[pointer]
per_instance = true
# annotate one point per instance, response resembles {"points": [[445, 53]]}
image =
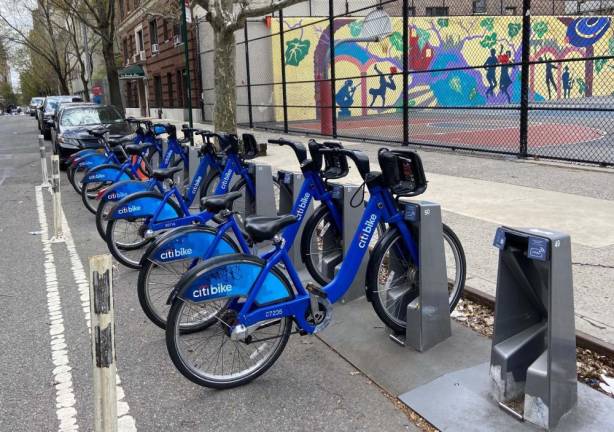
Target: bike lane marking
{"points": [[125, 421], [62, 372]]}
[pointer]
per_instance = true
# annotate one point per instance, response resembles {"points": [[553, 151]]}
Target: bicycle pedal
{"points": [[315, 290]]}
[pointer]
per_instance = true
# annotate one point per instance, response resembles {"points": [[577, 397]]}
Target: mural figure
{"points": [[384, 85], [491, 72], [345, 98], [504, 79], [549, 75], [567, 82]]}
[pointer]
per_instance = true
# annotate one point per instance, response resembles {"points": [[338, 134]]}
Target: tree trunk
{"points": [[112, 75], [63, 84], [225, 116]]}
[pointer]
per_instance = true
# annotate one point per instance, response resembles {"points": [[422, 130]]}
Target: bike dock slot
{"points": [[263, 203], [533, 345], [428, 315], [293, 181]]}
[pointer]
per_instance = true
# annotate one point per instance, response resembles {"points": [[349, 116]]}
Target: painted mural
{"points": [[368, 80]]}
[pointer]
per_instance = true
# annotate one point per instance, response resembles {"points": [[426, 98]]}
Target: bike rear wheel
{"points": [[126, 242], [392, 277], [211, 358]]}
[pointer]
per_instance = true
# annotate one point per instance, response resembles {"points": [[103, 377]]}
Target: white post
{"points": [[58, 235], [41, 147], [103, 343]]}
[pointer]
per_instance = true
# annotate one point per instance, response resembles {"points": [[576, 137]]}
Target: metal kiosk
{"points": [[533, 346]]}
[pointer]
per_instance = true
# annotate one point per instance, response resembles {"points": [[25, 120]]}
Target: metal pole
{"points": [[283, 69], [58, 235], [405, 72], [103, 343], [333, 82], [42, 149], [524, 78], [186, 52], [199, 72], [249, 78]]}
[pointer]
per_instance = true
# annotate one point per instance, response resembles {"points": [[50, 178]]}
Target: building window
{"points": [[411, 11], [437, 11], [126, 51], [510, 10], [165, 34], [158, 90], [479, 7], [169, 84], [140, 45], [177, 36], [179, 89], [121, 9], [153, 32]]}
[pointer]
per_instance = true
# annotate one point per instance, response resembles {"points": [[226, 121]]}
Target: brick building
{"points": [[152, 50]]}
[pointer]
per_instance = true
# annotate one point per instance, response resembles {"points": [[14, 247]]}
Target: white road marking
{"points": [[125, 421], [64, 394]]}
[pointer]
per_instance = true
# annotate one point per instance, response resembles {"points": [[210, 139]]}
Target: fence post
{"points": [[103, 343], [249, 77], [405, 72], [283, 69], [43, 153], [58, 235], [524, 78], [333, 81]]}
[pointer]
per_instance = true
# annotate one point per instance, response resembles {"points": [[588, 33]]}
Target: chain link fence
{"points": [[484, 76]]}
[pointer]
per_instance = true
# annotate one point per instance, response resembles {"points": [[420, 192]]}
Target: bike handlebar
{"points": [[299, 149], [360, 159]]}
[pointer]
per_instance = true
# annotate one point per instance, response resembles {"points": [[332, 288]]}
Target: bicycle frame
{"points": [[381, 206]]}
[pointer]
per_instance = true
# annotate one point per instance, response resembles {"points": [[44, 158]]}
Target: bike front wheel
{"points": [[211, 358], [392, 277]]}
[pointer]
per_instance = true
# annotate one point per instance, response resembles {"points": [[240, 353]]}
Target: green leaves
{"points": [[540, 28], [456, 85], [513, 29], [611, 46], [600, 63], [355, 28], [443, 22], [581, 85], [296, 51], [423, 37], [489, 41], [396, 39], [488, 24]]}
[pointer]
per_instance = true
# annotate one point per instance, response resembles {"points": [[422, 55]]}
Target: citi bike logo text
{"points": [[302, 206], [196, 184], [116, 195], [97, 176], [367, 229], [168, 157], [209, 290], [226, 179], [129, 209], [176, 253]]}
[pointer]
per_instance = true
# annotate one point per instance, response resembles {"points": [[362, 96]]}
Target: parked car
{"points": [[56, 116], [71, 133], [35, 102], [47, 111]]}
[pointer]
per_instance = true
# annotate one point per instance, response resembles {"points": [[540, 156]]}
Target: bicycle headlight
{"points": [[68, 142]]}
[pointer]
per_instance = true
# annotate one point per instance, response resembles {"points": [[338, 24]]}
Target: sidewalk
{"points": [[478, 194]]}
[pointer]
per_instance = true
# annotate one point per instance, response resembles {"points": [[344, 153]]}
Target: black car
{"points": [[71, 130], [56, 116], [47, 112]]}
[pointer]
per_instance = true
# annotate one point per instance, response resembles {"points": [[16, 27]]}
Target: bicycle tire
{"points": [[376, 263]]}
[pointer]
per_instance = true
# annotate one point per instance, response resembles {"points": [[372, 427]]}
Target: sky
{"points": [[15, 11]]}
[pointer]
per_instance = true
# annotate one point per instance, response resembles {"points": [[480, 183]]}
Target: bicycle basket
{"points": [[250, 146], [335, 164], [402, 172]]}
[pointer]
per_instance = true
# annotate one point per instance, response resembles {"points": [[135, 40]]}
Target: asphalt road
{"points": [[45, 356]]}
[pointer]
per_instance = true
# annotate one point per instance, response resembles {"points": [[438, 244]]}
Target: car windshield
{"points": [[36, 101], [86, 116]]}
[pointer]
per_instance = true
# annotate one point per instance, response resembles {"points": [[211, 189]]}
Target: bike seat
{"points": [[98, 132], [217, 203], [137, 149], [262, 228], [166, 173]]}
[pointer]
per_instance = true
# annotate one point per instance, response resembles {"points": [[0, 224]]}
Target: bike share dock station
{"points": [[524, 379]]}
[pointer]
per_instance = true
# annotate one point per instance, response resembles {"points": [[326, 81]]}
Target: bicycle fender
{"points": [[231, 276], [189, 243], [122, 189], [144, 204], [90, 160], [80, 154], [105, 173]]}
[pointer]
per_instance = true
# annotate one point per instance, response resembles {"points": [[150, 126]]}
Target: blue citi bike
{"points": [[176, 155], [100, 151], [175, 252], [136, 219], [263, 297]]}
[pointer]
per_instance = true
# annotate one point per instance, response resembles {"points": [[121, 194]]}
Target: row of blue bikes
{"points": [[221, 281]]}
